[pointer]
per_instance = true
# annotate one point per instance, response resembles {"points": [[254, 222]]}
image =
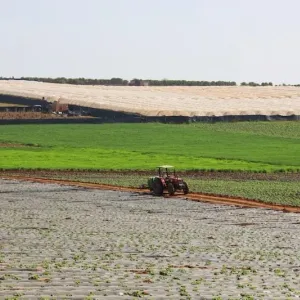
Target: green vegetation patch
{"points": [[281, 190], [250, 146], [287, 193]]}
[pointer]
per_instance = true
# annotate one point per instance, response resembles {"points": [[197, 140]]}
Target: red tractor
{"points": [[167, 180]]}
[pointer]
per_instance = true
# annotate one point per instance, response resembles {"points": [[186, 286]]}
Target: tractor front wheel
{"points": [[157, 187], [171, 189], [185, 188]]}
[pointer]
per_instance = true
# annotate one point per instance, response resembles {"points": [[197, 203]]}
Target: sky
{"points": [[231, 40]]}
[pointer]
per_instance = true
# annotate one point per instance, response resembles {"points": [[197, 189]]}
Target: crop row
{"points": [[285, 192]]}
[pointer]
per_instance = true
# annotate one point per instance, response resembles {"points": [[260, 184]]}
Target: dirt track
{"points": [[192, 174], [200, 197]]}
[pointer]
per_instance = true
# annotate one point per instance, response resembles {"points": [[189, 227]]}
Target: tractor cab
{"points": [[166, 171]]}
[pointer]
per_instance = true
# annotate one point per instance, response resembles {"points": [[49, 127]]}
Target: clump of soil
{"points": [[16, 145]]}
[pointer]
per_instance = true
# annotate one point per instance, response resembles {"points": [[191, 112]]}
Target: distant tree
{"points": [[116, 81], [253, 83]]}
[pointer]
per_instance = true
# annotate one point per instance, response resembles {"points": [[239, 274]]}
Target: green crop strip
{"points": [[249, 146]]}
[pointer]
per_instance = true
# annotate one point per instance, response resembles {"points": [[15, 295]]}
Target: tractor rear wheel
{"points": [[185, 188], [171, 189], [157, 187]]}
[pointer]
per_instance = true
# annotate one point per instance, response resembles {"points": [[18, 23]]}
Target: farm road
{"points": [[66, 242]]}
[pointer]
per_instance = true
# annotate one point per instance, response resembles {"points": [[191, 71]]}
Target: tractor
{"points": [[167, 179]]}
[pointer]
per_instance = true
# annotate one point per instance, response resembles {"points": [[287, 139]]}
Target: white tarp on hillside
{"points": [[165, 101]]}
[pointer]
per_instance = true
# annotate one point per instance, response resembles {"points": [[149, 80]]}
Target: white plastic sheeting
{"points": [[165, 101]]}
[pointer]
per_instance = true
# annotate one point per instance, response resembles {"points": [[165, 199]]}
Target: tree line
{"points": [[122, 82], [256, 84], [190, 83]]}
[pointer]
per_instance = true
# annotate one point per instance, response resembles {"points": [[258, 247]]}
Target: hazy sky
{"points": [[257, 40]]}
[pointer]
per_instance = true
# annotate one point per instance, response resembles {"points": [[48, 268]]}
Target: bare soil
{"points": [[32, 115], [25, 115]]}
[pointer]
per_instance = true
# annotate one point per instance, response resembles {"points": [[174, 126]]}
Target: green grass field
{"points": [[249, 146]]}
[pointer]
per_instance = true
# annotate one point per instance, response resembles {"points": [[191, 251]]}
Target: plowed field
{"points": [[68, 242], [30, 115], [26, 115]]}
